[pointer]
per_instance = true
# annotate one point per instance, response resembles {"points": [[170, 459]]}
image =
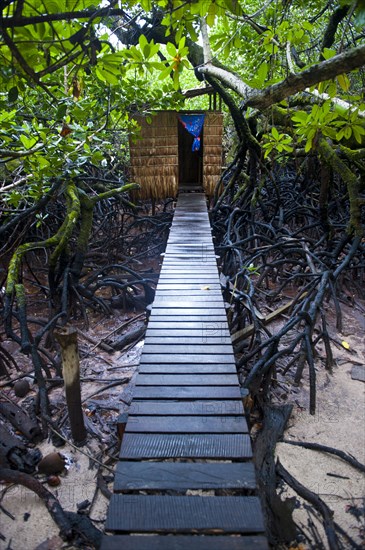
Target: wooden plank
{"points": [[199, 379], [200, 293], [187, 286], [182, 514], [178, 476], [207, 327], [203, 237], [183, 408], [186, 392], [184, 260], [202, 271], [186, 358], [192, 334], [175, 271], [193, 338], [207, 303], [188, 424], [196, 349], [217, 319], [184, 542], [193, 270], [190, 368], [202, 248], [190, 311], [199, 446], [201, 279], [197, 247]]}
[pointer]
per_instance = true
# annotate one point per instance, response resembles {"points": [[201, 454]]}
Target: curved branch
{"points": [[15, 21], [51, 502], [315, 500], [326, 70]]}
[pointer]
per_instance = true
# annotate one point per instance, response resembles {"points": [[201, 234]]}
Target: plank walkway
{"points": [[185, 474]]}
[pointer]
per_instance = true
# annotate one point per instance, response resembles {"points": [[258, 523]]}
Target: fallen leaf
{"points": [[345, 344], [206, 288]]}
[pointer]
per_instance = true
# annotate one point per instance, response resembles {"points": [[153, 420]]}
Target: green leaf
{"points": [[171, 49], [181, 43], [142, 41], [332, 89], [28, 142], [164, 74], [146, 5], [176, 80], [13, 94], [300, 116], [262, 73], [61, 111], [348, 132], [108, 75], [42, 162], [308, 145], [275, 133], [344, 82], [328, 53], [357, 134], [233, 6]]}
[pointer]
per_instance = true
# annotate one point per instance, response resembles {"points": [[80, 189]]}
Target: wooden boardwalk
{"points": [[185, 473]]}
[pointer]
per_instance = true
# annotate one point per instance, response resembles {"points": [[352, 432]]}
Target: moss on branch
{"points": [[331, 157]]}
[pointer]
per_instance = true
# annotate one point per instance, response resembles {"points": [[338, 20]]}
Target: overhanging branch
{"points": [[16, 21], [325, 70]]}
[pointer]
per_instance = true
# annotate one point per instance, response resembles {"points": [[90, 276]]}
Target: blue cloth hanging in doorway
{"points": [[194, 125]]}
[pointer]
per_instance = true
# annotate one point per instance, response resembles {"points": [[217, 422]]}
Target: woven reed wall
{"points": [[155, 160], [154, 157], [212, 152]]}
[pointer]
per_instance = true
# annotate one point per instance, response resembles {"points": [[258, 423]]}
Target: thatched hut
{"points": [[162, 157]]}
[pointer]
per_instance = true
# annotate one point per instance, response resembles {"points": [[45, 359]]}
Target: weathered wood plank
{"points": [[211, 327], [189, 312], [186, 392], [199, 379], [200, 446], [201, 293], [203, 305], [186, 358], [196, 349], [196, 330], [187, 368], [194, 337], [187, 286], [182, 514], [183, 542], [190, 318], [183, 408], [179, 476], [200, 272], [187, 424], [194, 272], [202, 249]]}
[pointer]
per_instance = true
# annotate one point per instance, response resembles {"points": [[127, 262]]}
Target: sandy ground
{"points": [[33, 524], [339, 422]]}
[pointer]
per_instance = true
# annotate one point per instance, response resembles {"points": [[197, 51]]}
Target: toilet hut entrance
{"points": [[190, 162]]}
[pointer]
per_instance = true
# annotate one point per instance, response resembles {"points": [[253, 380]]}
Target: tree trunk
{"points": [[67, 338]]}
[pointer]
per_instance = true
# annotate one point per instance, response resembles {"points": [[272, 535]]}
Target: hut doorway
{"points": [[190, 162]]}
